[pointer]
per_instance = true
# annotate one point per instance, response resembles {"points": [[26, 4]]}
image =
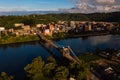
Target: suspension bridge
{"points": [[66, 51]]}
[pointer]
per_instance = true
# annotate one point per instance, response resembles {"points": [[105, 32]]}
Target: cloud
{"points": [[91, 6], [106, 1]]}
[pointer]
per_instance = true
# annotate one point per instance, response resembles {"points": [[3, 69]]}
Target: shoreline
{"points": [[65, 36], [88, 35], [20, 39]]}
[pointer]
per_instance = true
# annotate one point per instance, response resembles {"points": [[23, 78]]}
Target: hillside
{"points": [[9, 21]]}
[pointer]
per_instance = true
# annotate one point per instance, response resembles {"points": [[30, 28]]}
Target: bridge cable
{"points": [[74, 54]]}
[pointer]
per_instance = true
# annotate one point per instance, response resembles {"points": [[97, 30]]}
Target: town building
{"points": [[18, 24]]}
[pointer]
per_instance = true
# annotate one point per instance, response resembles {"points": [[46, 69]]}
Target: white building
{"points": [[18, 24], [38, 25], [47, 32], [2, 28]]}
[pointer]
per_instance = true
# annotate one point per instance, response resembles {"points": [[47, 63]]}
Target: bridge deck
{"points": [[63, 52]]}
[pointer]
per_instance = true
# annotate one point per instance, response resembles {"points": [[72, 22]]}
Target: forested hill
{"points": [[109, 17], [9, 21]]}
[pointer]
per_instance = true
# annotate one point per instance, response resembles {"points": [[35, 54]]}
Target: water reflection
{"points": [[100, 40], [14, 57], [85, 37], [80, 45], [14, 45]]}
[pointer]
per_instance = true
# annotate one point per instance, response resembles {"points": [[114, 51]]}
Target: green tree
{"points": [[34, 70], [83, 71], [4, 76], [29, 21], [61, 73], [49, 68], [51, 60]]}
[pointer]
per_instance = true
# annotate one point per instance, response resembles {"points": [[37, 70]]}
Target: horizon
{"points": [[23, 13], [70, 6]]}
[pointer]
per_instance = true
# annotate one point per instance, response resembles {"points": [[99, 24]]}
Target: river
{"points": [[14, 57]]}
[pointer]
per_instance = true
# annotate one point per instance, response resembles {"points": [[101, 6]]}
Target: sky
{"points": [[33, 5], [72, 6]]}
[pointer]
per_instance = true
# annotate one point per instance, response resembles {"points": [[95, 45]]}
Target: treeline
{"points": [[52, 70], [9, 21]]}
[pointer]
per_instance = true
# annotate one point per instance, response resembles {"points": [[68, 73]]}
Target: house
{"points": [[2, 28], [38, 25], [5, 32], [46, 32], [118, 53], [21, 32], [33, 30], [61, 22], [71, 78], [109, 26], [85, 28], [72, 24], [89, 27], [26, 27], [48, 29], [11, 30], [18, 24], [51, 27], [17, 33], [109, 70]]}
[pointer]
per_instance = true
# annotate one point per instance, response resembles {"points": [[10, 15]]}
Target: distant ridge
{"points": [[20, 13], [28, 12], [61, 15]]}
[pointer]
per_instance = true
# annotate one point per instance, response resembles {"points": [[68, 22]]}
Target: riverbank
{"points": [[87, 35], [56, 36], [18, 39]]}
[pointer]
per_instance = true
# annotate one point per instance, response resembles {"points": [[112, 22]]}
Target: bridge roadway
{"points": [[65, 51]]}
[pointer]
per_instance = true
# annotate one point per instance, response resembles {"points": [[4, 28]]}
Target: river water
{"points": [[14, 57]]}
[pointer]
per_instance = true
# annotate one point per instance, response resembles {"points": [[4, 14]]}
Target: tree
{"points": [[30, 22], [34, 70], [51, 60], [61, 73], [4, 76], [49, 68]]}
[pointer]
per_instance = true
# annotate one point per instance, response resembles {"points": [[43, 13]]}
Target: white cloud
{"points": [[90, 6], [106, 1]]}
